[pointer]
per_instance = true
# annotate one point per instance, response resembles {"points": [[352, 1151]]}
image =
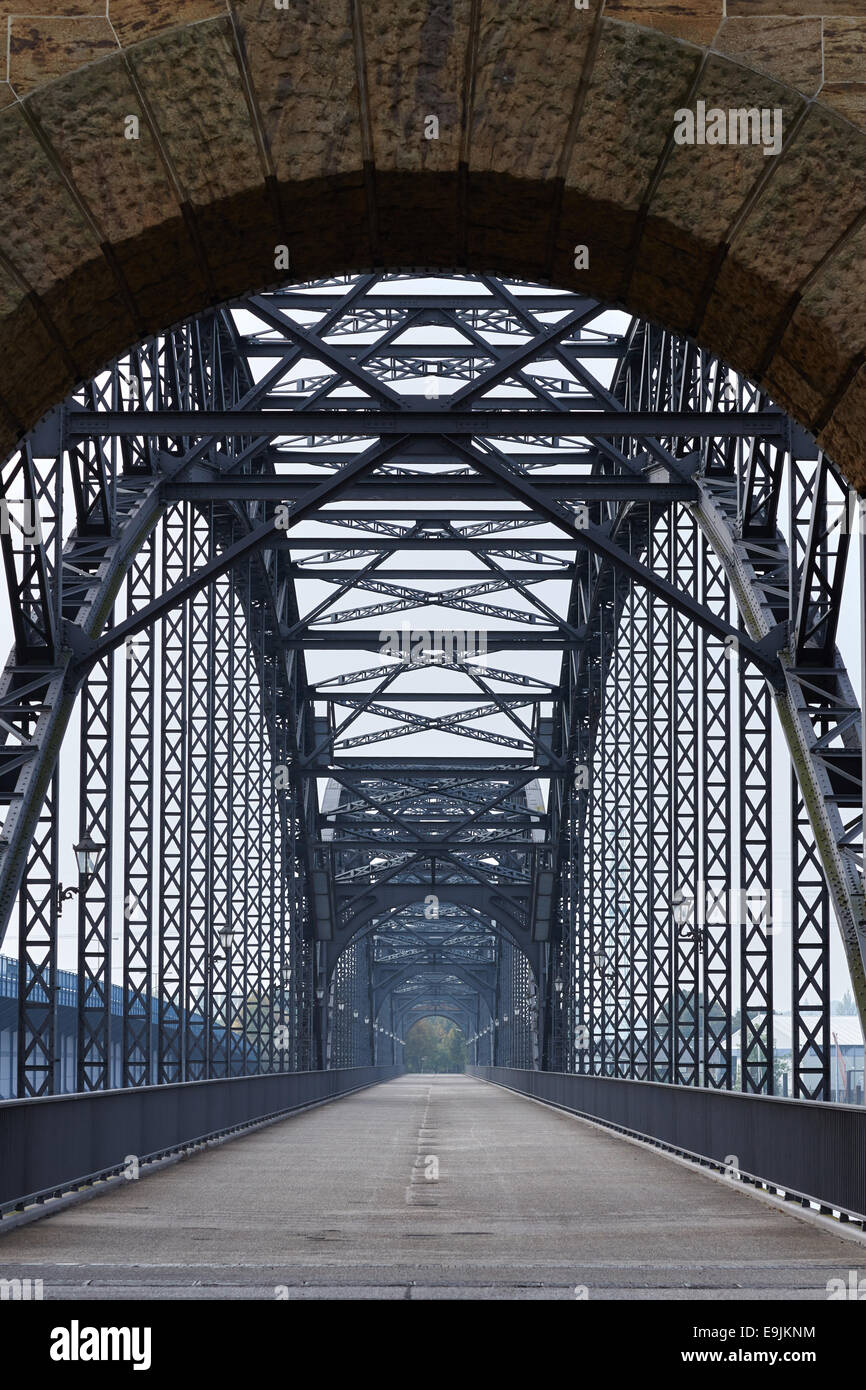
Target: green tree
{"points": [[435, 1044]]}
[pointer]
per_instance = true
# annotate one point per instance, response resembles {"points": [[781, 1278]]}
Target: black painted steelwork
{"points": [[340, 530], [811, 1151], [53, 1145]]}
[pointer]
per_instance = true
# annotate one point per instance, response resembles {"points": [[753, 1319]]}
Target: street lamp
{"points": [[87, 856], [681, 906]]}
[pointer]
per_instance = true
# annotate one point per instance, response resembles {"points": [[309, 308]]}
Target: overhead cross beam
{"points": [[350, 419]]}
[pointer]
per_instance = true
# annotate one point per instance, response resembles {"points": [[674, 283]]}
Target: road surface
{"points": [[428, 1187]]}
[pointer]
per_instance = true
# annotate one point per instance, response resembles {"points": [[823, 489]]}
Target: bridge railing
{"points": [[810, 1151], [54, 1145]]}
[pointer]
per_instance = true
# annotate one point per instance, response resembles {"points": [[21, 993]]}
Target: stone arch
{"points": [[260, 127]]}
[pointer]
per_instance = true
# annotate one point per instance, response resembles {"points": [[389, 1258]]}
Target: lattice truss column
{"points": [[756, 877], [346, 1005], [167, 708], [513, 1010], [794, 587], [659, 825], [37, 957], [352, 1015], [96, 818], [208, 917], [681, 788]]}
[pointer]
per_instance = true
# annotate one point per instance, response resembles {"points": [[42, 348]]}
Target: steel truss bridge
{"points": [[415, 646]]}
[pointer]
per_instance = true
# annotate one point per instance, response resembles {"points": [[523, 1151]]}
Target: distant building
{"points": [[66, 1002], [846, 1056]]}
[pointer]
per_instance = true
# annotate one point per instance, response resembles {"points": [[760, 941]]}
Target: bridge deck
{"points": [[529, 1202]]}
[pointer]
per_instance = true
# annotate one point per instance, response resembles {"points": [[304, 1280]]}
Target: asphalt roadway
{"points": [[431, 1187]]}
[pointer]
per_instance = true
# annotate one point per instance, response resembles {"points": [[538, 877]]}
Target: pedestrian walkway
{"points": [[430, 1186]]}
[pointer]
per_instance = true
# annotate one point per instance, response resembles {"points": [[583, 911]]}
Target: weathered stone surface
{"points": [[741, 314], [636, 86], [676, 259], [416, 61], [303, 70], [609, 230], [88, 307], [206, 130], [670, 264], [845, 68], [204, 123], [528, 66], [792, 7], [134, 20], [11, 290], [41, 230], [849, 99], [289, 128], [40, 49], [123, 181], [509, 221], [843, 435], [806, 204], [845, 50], [787, 48], [53, 8], [788, 233], [160, 267], [827, 331], [844, 432], [32, 372], [731, 171], [695, 20]]}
